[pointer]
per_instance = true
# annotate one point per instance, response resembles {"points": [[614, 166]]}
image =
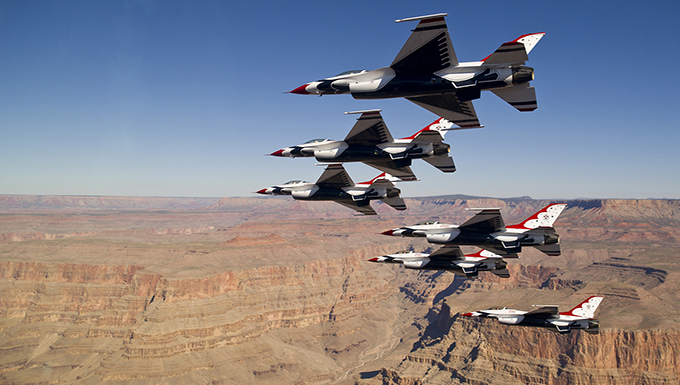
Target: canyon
{"points": [[257, 290]]}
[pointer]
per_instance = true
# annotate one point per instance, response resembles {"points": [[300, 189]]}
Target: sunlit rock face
{"points": [[249, 290]]}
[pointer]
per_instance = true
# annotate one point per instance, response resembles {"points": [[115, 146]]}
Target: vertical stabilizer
{"points": [[585, 309], [543, 218]]}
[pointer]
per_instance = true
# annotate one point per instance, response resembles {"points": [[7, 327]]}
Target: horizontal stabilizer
{"points": [[443, 162], [504, 273], [460, 113], [389, 166], [522, 97], [361, 206], [551, 250], [395, 202]]}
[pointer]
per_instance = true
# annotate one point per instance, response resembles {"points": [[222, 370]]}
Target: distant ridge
{"points": [[449, 208], [11, 203]]}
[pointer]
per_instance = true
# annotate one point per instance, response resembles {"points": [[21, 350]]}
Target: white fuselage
{"points": [[327, 150], [467, 265], [518, 317], [305, 190], [463, 75]]}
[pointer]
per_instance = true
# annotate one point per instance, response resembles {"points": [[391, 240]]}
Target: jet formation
{"points": [[427, 72]]}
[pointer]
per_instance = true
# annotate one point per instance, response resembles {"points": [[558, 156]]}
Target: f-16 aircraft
{"points": [[336, 185], [580, 317], [450, 258], [427, 72], [487, 230], [370, 142]]}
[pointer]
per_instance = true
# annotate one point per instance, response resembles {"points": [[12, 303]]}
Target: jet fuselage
{"points": [[562, 323], [466, 80], [326, 150], [309, 191], [469, 266], [509, 241]]}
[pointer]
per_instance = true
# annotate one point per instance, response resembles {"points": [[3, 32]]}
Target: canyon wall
{"points": [[251, 290], [459, 350]]}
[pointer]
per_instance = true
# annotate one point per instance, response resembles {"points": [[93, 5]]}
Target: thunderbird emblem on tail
{"points": [[427, 73]]}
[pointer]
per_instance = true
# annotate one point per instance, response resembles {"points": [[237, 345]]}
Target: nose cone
{"points": [[374, 259], [467, 315], [263, 191], [388, 232], [277, 153], [302, 90]]}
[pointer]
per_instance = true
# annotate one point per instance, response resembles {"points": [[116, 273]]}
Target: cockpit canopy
{"points": [[295, 182], [404, 252], [317, 141], [350, 72], [426, 223]]}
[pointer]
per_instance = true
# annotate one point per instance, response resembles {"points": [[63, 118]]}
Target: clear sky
{"points": [[170, 98]]}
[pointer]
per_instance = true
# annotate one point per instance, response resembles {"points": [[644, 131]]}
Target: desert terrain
{"points": [[265, 290]]}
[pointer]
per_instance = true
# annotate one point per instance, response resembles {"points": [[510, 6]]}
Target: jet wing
{"points": [[450, 107], [365, 209], [334, 176], [404, 172], [428, 49], [369, 130], [544, 312], [485, 221], [442, 162], [448, 253]]}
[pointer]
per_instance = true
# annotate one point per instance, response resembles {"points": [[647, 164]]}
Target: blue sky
{"points": [[168, 98]]}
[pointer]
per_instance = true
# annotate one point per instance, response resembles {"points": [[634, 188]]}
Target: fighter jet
{"points": [[336, 185], [450, 258], [370, 142], [580, 317], [427, 72], [487, 230]]}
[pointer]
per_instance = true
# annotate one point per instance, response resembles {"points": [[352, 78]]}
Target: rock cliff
{"points": [[470, 351], [233, 293]]}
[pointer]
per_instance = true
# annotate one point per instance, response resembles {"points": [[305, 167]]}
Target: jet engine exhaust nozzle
{"points": [[522, 74]]}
